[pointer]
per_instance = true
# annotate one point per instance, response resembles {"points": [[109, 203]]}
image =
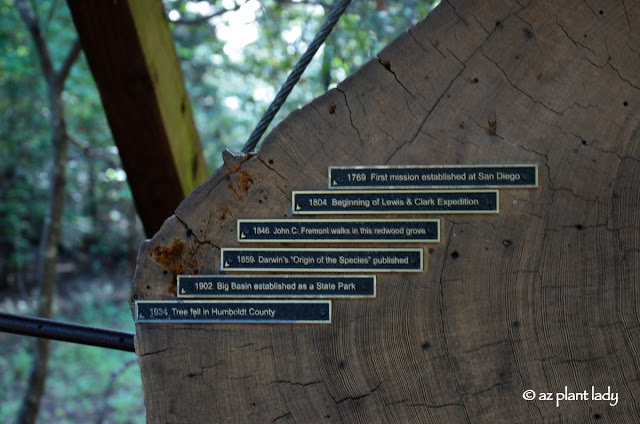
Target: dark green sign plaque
{"points": [[327, 259], [234, 311], [281, 286], [395, 202], [434, 176], [339, 230]]}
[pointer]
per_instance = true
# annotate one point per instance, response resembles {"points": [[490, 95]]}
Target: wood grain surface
{"points": [[545, 295]]}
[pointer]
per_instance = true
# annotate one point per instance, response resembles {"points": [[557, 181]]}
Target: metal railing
{"points": [[67, 332]]}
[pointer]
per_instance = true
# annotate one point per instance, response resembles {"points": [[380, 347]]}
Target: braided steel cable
{"points": [[295, 74]]}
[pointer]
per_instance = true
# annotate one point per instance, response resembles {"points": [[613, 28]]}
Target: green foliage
{"points": [[23, 140], [97, 203], [231, 82], [15, 363], [78, 375]]}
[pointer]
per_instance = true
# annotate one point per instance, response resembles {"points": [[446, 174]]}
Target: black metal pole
{"points": [[66, 332]]}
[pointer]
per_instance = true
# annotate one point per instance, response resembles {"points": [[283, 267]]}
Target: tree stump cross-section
{"points": [[530, 313]]}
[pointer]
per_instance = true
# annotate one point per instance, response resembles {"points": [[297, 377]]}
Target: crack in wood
{"points": [[358, 397], [346, 102], [512, 84], [201, 242]]}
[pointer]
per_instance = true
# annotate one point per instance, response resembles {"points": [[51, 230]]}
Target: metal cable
{"points": [[66, 332], [295, 74]]}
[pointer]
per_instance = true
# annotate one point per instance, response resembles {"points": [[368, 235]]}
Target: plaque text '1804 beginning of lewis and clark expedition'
{"points": [[395, 202]]}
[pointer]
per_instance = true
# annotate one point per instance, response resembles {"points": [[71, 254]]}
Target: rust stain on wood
{"points": [[246, 181], [177, 258], [241, 188], [224, 214]]}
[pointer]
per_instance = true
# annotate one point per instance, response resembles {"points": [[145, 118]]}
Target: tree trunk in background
{"points": [[48, 255], [8, 245], [48, 251], [542, 296]]}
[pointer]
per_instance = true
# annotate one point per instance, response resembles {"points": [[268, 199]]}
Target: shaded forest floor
{"points": [[80, 377]]}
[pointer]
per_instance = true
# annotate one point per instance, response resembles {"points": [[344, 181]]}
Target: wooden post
{"points": [[132, 57], [527, 312]]}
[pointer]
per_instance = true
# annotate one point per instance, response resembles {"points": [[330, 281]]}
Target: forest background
{"points": [[234, 56]]}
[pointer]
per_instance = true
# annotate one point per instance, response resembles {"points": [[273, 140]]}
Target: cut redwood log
{"points": [[528, 315]]}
